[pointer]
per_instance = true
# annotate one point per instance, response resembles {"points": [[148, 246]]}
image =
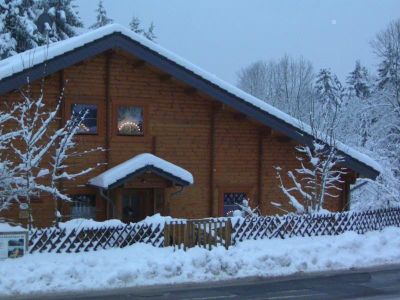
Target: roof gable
{"points": [[138, 165], [43, 61]]}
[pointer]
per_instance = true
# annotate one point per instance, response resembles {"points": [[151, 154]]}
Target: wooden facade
{"points": [[227, 152]]}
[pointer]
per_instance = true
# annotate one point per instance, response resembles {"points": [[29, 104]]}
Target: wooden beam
{"points": [[260, 167], [61, 86], [154, 145], [61, 90], [109, 56], [212, 213]]}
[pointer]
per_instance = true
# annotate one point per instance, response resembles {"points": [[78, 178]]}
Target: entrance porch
{"points": [[140, 187]]}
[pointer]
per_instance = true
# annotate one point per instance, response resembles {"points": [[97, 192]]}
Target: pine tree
{"points": [[387, 48], [101, 19], [358, 81], [18, 31], [149, 34], [65, 19], [329, 90], [135, 27]]}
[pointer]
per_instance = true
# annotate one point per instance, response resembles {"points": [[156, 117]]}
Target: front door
{"points": [[137, 204]]}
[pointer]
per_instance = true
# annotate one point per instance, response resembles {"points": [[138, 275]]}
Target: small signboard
{"points": [[13, 244]]}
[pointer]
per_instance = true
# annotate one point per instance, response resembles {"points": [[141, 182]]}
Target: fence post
{"points": [[228, 233], [186, 235], [166, 234]]}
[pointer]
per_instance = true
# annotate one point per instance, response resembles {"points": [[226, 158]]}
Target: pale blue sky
{"points": [[222, 36]]}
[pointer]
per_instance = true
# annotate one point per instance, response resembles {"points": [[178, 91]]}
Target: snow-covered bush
{"points": [[245, 211]]}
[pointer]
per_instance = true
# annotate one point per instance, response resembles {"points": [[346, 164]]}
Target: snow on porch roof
{"points": [[139, 164], [45, 60]]}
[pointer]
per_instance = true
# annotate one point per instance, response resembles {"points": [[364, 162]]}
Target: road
{"points": [[377, 283]]}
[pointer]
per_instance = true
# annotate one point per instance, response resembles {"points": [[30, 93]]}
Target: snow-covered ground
{"points": [[142, 264]]}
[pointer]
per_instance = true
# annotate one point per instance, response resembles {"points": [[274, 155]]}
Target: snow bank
{"points": [[92, 224], [89, 223], [5, 227], [138, 162], [143, 264], [159, 219], [19, 62]]}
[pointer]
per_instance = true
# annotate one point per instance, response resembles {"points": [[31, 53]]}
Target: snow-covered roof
{"points": [[18, 63], [137, 165]]}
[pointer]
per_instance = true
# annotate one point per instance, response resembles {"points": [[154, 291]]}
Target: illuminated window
{"points": [[231, 201], [89, 124], [130, 120]]}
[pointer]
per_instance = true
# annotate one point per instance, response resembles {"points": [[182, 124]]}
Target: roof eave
{"points": [[117, 40]]}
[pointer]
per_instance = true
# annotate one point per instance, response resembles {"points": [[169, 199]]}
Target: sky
{"points": [[223, 36]]}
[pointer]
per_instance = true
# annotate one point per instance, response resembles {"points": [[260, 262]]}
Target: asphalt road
{"points": [[377, 283]]}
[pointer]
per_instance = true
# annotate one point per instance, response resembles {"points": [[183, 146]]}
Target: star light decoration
{"points": [[129, 127], [83, 128]]}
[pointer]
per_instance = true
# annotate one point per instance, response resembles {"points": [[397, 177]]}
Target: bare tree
{"points": [[32, 145], [320, 174], [41, 143], [64, 150], [286, 84], [10, 180]]}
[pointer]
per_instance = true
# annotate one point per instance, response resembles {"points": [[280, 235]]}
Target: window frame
{"points": [[71, 204], [232, 189], [123, 137], [97, 116], [101, 126], [143, 121]]}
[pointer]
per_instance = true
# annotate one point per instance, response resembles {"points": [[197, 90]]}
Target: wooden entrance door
{"points": [[137, 204]]}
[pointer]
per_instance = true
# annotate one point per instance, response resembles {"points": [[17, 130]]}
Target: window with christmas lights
{"points": [[130, 120], [89, 124], [231, 201]]}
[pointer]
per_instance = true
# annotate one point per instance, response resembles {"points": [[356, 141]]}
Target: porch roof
{"points": [[140, 164]]}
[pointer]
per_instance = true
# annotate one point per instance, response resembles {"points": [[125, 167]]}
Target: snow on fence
{"points": [[209, 232], [91, 239], [313, 225]]}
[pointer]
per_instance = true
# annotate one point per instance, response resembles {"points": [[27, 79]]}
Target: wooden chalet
{"points": [[180, 141]]}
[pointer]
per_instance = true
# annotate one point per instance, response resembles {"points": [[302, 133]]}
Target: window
{"points": [[89, 124], [231, 201], [130, 120], [83, 206]]}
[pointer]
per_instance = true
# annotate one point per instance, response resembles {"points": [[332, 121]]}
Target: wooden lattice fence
{"points": [[91, 239], [313, 225], [208, 233]]}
